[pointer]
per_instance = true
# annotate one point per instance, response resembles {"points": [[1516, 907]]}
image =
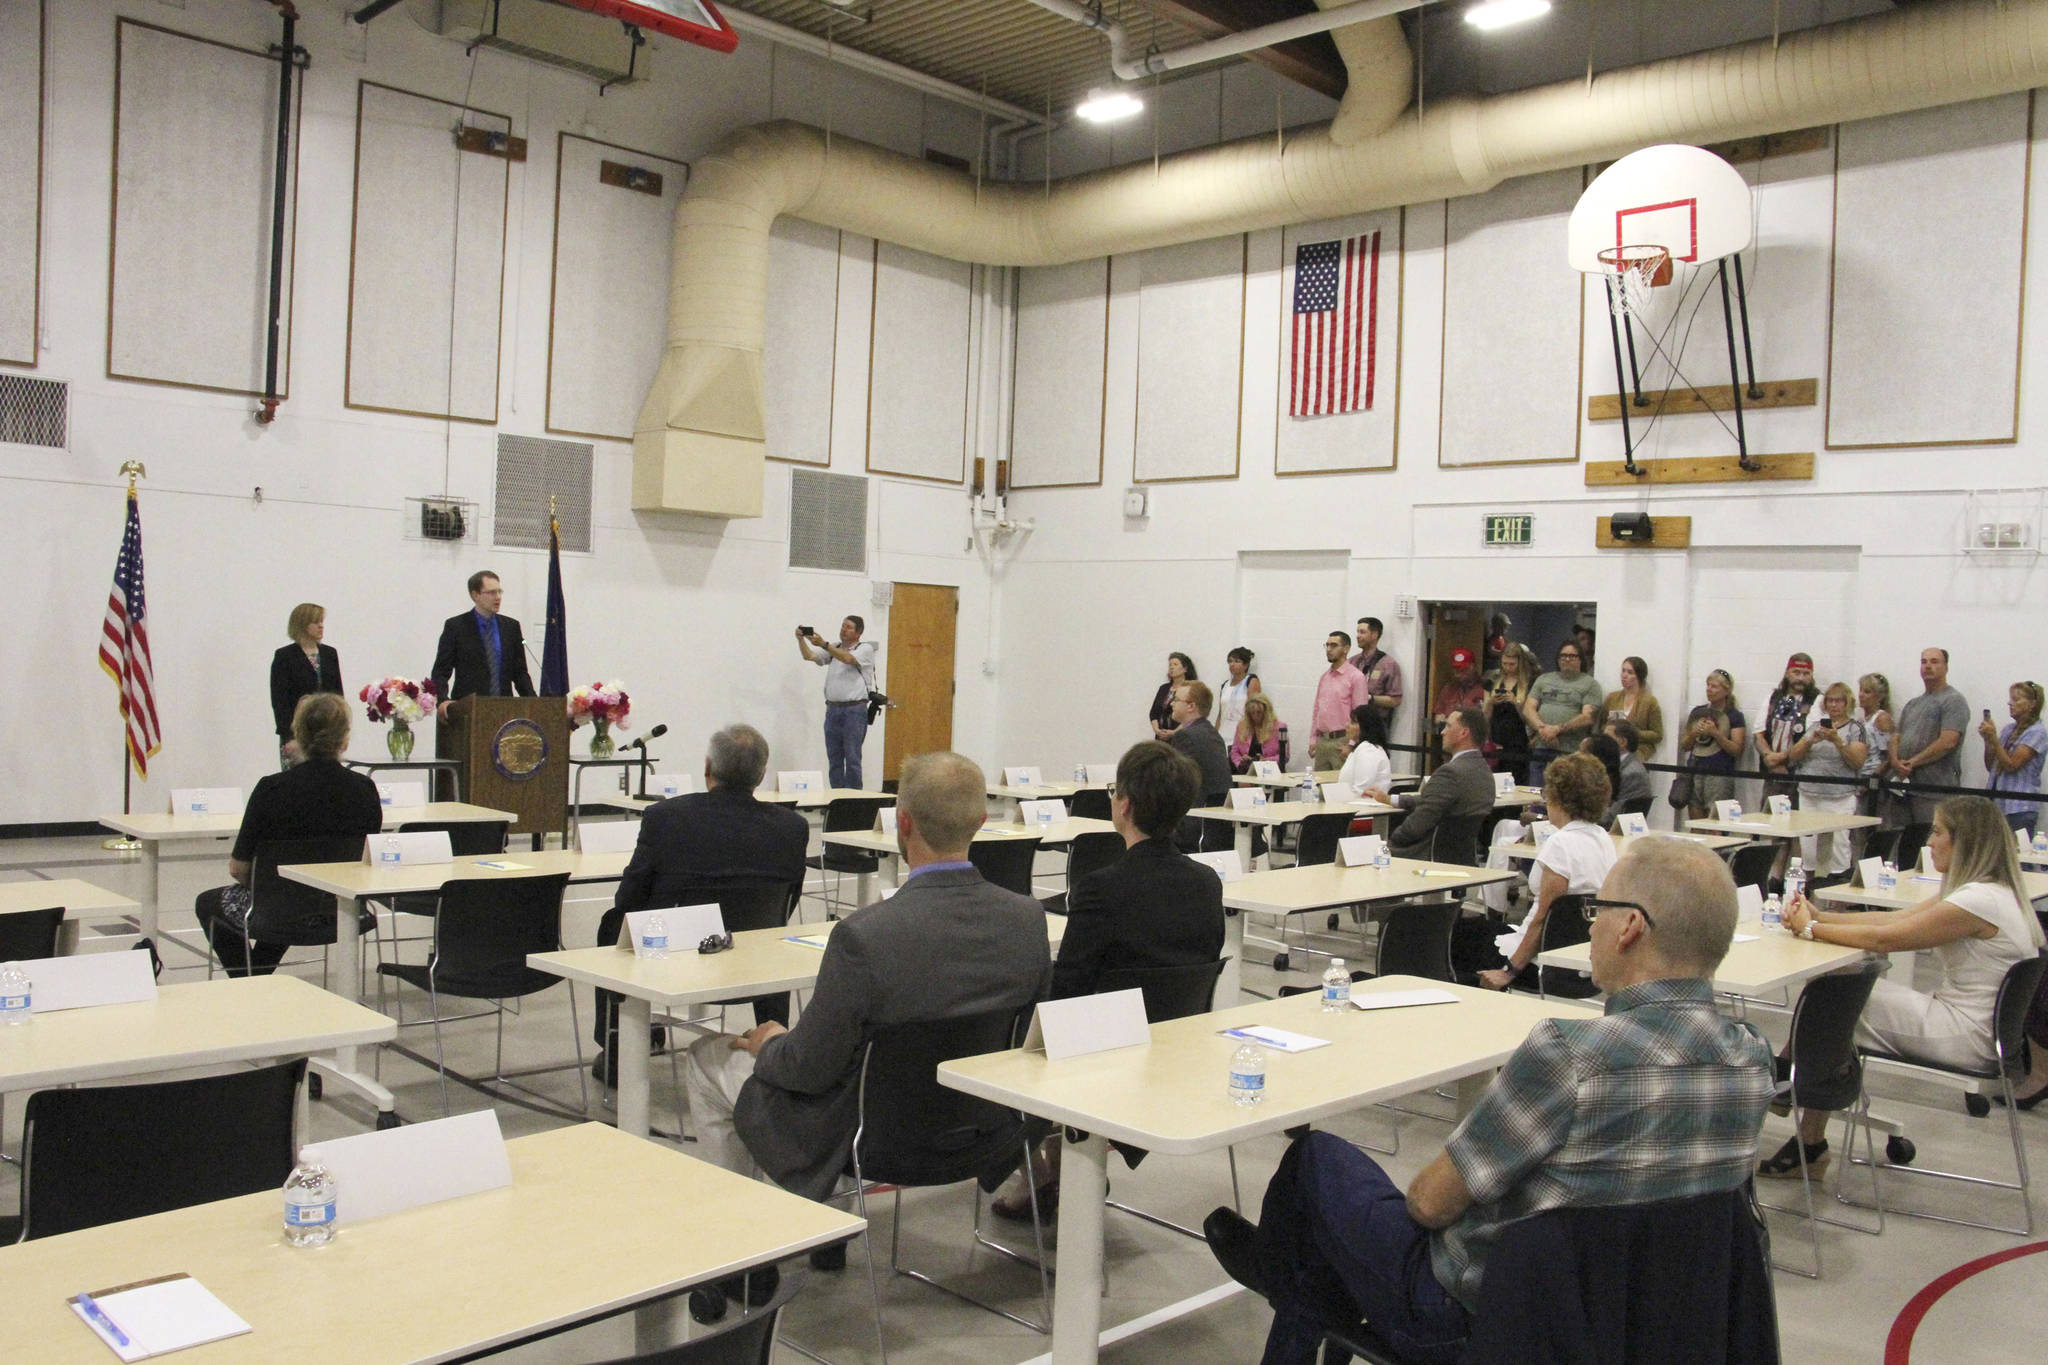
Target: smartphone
{"points": [[1987, 713]]}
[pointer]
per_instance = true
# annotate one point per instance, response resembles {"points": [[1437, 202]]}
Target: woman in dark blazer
{"points": [[300, 669]]}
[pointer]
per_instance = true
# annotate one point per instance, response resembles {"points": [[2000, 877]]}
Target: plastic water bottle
{"points": [[1774, 914], [14, 994], [1336, 987], [309, 1204], [654, 937], [1308, 784], [1247, 1075], [1381, 857], [2041, 841], [1080, 772], [1887, 876], [1795, 880]]}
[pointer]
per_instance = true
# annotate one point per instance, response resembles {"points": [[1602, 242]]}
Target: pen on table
{"points": [[99, 1315], [1436, 872]]}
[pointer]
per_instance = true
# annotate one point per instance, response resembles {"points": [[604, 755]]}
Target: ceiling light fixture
{"points": [[1107, 106], [1495, 14]]}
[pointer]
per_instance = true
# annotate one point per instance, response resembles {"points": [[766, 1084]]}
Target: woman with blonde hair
{"points": [[1507, 734], [1258, 734], [1834, 745], [2013, 755], [1713, 735], [305, 666], [1874, 695], [1979, 925]]}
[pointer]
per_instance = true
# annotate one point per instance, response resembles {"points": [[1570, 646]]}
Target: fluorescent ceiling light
{"points": [[1495, 14], [1107, 106]]}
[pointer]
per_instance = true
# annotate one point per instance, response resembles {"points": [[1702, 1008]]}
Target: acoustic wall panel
{"points": [[798, 365], [426, 267], [608, 309], [1930, 250], [917, 375], [1190, 360], [1351, 351], [1060, 370], [195, 157], [1512, 314], [21, 177]]}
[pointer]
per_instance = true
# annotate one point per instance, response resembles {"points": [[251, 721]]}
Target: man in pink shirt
{"points": [[1337, 691]]}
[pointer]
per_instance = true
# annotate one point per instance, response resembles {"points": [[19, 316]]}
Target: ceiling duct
{"points": [[698, 445], [573, 39]]}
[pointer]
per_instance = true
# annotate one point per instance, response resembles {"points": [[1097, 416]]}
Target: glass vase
{"points": [[601, 739], [399, 741]]}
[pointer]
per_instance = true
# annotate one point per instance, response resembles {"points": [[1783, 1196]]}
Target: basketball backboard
{"points": [[1685, 199]]}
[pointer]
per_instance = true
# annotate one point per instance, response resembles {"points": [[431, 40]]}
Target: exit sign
{"points": [[1505, 529]]}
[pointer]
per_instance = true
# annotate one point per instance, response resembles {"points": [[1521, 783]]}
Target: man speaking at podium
{"points": [[484, 651]]}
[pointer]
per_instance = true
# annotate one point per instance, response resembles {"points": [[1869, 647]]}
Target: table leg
{"points": [[1228, 982], [341, 1069], [892, 870], [152, 875], [635, 1035], [659, 1325], [1077, 1293], [1244, 846]]}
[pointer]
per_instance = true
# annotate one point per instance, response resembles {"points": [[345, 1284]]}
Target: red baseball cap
{"points": [[1461, 658]]}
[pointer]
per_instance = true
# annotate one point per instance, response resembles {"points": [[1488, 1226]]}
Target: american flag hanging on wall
{"points": [[1336, 326], [124, 645]]}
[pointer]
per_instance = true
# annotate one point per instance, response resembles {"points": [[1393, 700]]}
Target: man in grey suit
{"points": [[785, 1101], [1200, 741], [1460, 790]]}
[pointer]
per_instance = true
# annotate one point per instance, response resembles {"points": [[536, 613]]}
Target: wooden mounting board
{"points": [[1666, 533], [1777, 393], [1705, 469]]}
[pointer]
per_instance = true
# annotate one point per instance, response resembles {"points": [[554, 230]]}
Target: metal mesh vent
{"points": [[530, 470], [828, 521], [34, 412]]}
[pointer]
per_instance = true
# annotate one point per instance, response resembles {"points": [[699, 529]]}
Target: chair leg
{"points": [[440, 1052], [576, 1039], [867, 1240]]}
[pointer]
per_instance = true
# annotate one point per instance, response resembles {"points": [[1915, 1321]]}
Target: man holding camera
{"points": [[849, 677]]}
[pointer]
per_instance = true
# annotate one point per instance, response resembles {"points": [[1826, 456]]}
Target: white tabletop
{"points": [[78, 898], [360, 880], [823, 797], [594, 1222], [1796, 824], [154, 826], [197, 1023], [1044, 791], [1289, 890], [1770, 960], [1913, 888], [1716, 842], [1052, 832], [1290, 812]]}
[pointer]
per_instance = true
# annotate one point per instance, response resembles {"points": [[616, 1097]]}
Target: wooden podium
{"points": [[514, 753]]}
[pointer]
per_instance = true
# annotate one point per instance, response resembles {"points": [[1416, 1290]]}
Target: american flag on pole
{"points": [[124, 645], [1336, 326]]}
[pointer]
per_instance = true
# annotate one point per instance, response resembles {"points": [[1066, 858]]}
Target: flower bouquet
{"points": [[604, 705], [402, 702]]}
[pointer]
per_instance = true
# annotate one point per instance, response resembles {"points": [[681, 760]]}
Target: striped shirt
{"points": [[1660, 1098]]}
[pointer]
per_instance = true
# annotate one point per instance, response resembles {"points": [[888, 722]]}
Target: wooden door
{"points": [[1454, 625], [922, 621]]}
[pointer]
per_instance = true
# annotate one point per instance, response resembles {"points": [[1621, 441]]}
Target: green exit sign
{"points": [[1508, 529]]}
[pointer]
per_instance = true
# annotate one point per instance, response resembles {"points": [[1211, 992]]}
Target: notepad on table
{"points": [[1278, 1038], [506, 865], [156, 1317], [1394, 1000]]}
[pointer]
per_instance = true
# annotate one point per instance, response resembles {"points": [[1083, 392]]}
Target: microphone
{"points": [[656, 733]]}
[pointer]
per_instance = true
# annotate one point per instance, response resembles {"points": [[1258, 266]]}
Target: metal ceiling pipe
{"points": [[1149, 63]]}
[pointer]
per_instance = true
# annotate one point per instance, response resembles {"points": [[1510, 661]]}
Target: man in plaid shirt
{"points": [[1659, 1098]]}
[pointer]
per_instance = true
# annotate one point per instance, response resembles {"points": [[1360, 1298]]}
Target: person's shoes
{"points": [[1016, 1205], [829, 1258], [604, 1068], [2022, 1102], [1233, 1239], [1784, 1163]]}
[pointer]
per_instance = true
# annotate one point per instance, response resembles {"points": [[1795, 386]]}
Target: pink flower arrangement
{"points": [[399, 699], [606, 703]]}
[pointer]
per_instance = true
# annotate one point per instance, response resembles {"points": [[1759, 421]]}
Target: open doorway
{"points": [[1484, 630]]}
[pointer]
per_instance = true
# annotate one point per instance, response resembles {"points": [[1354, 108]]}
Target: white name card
{"points": [[1022, 777], [807, 781], [1248, 798], [402, 794], [1265, 767], [86, 979], [1099, 772], [685, 925], [885, 822], [397, 1169], [1503, 784], [1042, 812], [1727, 810], [1634, 823], [665, 785], [1779, 805], [1338, 793], [206, 801], [607, 836], [1749, 903], [1400, 1000], [1359, 850], [1089, 1023], [1926, 858], [1867, 871], [1541, 831], [408, 850], [1226, 864]]}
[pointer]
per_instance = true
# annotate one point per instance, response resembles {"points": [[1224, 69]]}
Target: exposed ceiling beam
{"points": [[1310, 61]]}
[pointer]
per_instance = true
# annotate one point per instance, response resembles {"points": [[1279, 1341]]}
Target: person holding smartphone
{"points": [[1834, 745], [2013, 755]]}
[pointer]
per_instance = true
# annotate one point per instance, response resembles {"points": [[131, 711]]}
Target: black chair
{"points": [[1087, 853], [1217, 836], [1005, 862], [1415, 940], [1750, 863], [483, 932], [105, 1153], [292, 913], [913, 1132], [1319, 836], [1827, 1074], [1727, 1311], [1640, 806], [843, 815], [1455, 839], [748, 1339], [2009, 1017], [1906, 847], [29, 934], [1089, 803], [466, 839], [1564, 927]]}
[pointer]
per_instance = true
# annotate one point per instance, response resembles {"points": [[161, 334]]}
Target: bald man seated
{"points": [[1659, 1098]]}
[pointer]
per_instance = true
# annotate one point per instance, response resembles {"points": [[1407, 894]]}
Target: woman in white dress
{"points": [[1978, 925]]}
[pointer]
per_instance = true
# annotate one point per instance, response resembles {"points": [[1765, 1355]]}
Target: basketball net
{"points": [[1632, 272]]}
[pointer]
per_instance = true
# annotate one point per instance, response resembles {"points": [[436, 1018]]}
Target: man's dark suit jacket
{"points": [[707, 841], [1153, 907], [1199, 740], [1462, 789], [461, 654], [948, 944]]}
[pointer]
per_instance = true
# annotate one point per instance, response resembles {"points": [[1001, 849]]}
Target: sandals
{"points": [[1017, 1208], [1784, 1163]]}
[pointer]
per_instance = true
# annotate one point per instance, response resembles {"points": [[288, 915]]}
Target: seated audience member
{"points": [[1572, 862], [1634, 790], [316, 797], [1153, 907], [1606, 751], [1559, 709], [1460, 790], [1461, 690], [1366, 767], [1634, 704], [2013, 755], [1656, 1099], [1715, 733], [1257, 736], [1835, 745], [1979, 925], [785, 1101], [694, 846], [1179, 669]]}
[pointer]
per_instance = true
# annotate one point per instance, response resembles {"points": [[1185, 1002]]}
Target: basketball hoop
{"points": [[1632, 272]]}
